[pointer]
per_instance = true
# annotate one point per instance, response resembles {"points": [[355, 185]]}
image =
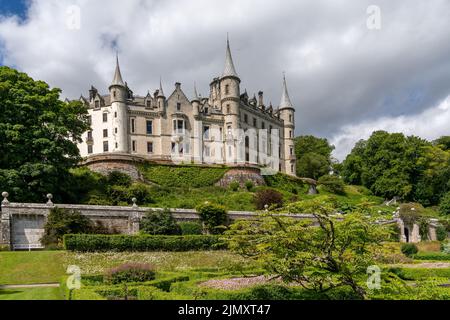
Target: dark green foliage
{"points": [[122, 195], [118, 178], [394, 165], [313, 156], [333, 184], [234, 186], [285, 182], [443, 143], [269, 197], [444, 205], [409, 249], [440, 256], [182, 176], [130, 272], [38, 137], [213, 216], [61, 222], [441, 233], [157, 222], [394, 233], [191, 228], [143, 243], [249, 185]]}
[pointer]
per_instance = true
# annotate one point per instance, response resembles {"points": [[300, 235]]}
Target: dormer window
{"points": [[178, 106], [97, 104], [149, 104], [206, 110]]}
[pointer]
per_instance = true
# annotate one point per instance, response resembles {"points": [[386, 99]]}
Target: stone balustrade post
{"points": [[5, 223], [134, 219]]}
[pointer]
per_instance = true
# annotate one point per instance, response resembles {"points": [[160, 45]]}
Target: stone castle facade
{"points": [[228, 127]]}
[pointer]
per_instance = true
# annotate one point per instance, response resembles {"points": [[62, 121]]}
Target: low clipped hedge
{"points": [[440, 256], [142, 243]]}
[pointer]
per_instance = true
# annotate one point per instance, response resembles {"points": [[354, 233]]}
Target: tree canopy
{"points": [[38, 136], [313, 156], [391, 164]]}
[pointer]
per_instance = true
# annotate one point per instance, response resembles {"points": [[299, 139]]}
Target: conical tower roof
{"points": [[285, 100], [196, 96], [160, 92], [117, 81], [229, 70]]}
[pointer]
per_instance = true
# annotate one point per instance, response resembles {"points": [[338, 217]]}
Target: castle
{"points": [[228, 127]]}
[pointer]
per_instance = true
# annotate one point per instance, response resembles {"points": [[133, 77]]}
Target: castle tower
{"points": [[230, 99], [118, 92], [287, 114], [161, 98]]}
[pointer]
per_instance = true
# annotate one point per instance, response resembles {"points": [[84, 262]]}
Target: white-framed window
{"points": [[105, 146], [90, 148], [105, 117], [179, 126], [149, 127], [206, 132], [149, 147]]}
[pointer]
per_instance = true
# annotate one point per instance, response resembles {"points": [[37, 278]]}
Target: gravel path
{"points": [[27, 286], [425, 265]]}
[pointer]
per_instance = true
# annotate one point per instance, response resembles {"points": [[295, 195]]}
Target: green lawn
{"points": [[31, 267], [31, 294]]}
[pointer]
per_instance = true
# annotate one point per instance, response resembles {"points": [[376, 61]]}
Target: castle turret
{"points": [[287, 114], [195, 102], [119, 93], [230, 99], [161, 98]]}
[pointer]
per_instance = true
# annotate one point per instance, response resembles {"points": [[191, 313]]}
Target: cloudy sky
{"points": [[345, 79]]}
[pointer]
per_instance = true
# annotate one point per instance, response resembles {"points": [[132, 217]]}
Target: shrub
{"points": [[120, 194], [141, 243], [409, 249], [213, 216], [441, 233], [131, 272], [118, 178], [234, 186], [441, 256], [333, 184], [157, 222], [444, 205], [249, 185], [61, 222], [190, 228], [269, 197]]}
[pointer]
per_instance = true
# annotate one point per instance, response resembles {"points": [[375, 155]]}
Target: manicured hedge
{"points": [[432, 256], [118, 243]]}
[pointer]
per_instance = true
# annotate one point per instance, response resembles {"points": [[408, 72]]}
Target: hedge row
{"points": [[119, 243], [441, 256]]}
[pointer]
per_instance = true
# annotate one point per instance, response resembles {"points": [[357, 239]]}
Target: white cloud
{"points": [[430, 124]]}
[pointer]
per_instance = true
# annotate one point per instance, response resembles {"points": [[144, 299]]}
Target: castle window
{"points": [[89, 135], [290, 133], [105, 133], [255, 122], [97, 104], [105, 146], [230, 152], [291, 151], [114, 93], [178, 106], [206, 110], [90, 149], [149, 127], [290, 118], [245, 118], [207, 151], [292, 168], [105, 117], [263, 125], [206, 132], [133, 145], [227, 89], [115, 130], [178, 126], [149, 103], [133, 125], [270, 129], [150, 147], [115, 114], [89, 120], [228, 108], [117, 145]]}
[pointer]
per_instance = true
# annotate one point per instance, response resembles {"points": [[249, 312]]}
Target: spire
{"points": [[285, 100], [229, 65], [161, 92], [117, 81], [196, 96]]}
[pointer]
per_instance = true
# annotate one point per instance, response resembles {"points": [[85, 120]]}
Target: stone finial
{"points": [[266, 207], [134, 200], [49, 197], [5, 196]]}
